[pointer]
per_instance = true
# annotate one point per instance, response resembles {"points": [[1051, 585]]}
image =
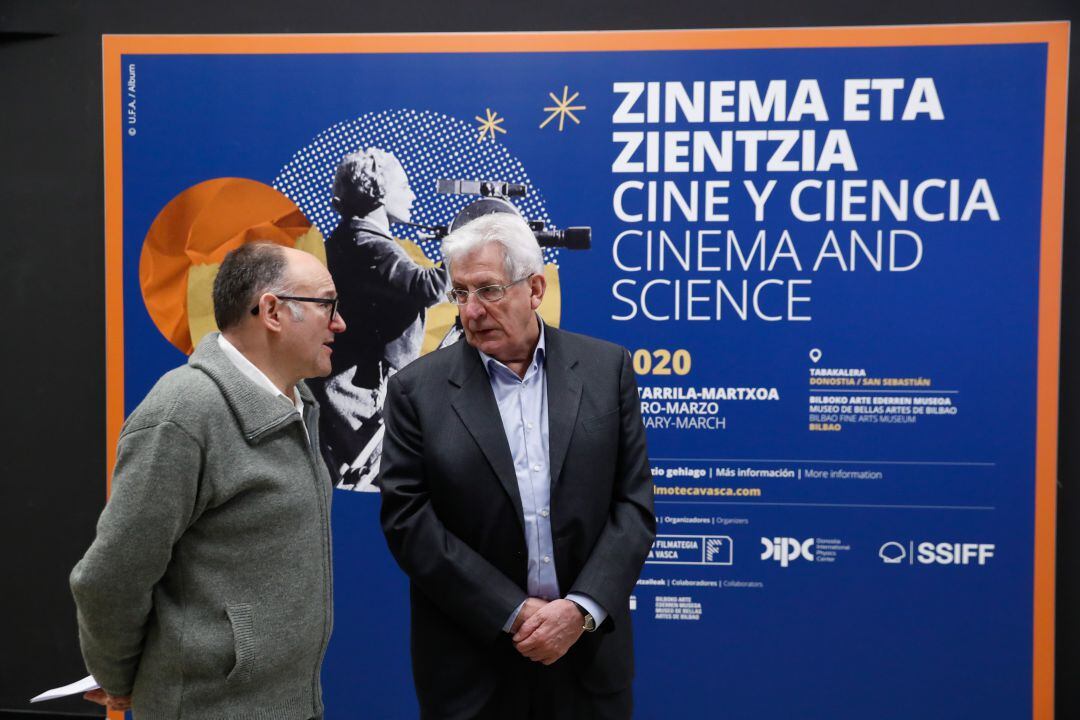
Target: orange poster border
{"points": [[1055, 35]]}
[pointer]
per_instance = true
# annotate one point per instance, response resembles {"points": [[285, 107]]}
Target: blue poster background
{"points": [[743, 635]]}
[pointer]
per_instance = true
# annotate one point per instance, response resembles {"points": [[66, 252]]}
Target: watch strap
{"points": [[588, 621]]}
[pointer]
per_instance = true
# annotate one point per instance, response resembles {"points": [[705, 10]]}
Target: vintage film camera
{"points": [[495, 197]]}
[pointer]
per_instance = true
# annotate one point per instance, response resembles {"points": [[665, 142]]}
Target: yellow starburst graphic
{"points": [[489, 125], [562, 109]]}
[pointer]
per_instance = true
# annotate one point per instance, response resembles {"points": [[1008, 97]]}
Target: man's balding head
{"points": [[247, 273]]}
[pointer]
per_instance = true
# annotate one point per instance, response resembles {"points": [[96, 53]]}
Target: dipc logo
{"points": [[786, 550]]}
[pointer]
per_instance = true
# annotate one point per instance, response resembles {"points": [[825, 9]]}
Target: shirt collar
{"points": [[492, 365], [257, 376]]}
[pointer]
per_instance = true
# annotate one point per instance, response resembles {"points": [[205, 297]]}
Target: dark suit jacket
{"points": [[452, 514]]}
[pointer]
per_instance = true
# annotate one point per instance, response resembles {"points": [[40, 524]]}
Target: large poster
{"points": [[833, 254]]}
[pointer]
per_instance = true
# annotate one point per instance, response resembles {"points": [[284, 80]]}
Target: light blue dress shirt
{"points": [[523, 407]]}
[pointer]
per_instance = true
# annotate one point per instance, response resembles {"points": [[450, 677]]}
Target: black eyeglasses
{"points": [[488, 293], [332, 302]]}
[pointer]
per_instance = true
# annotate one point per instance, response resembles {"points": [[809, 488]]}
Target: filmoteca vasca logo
{"points": [[786, 550]]}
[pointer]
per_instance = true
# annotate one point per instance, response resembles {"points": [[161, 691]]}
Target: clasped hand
{"points": [[544, 631]]}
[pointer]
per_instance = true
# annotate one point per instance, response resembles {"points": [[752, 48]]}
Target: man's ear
{"points": [[270, 310], [537, 288]]}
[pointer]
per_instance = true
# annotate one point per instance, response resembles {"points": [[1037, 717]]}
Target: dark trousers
{"points": [[531, 691]]}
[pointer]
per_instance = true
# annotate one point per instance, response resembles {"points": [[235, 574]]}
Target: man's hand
{"points": [[113, 702], [527, 611], [548, 634]]}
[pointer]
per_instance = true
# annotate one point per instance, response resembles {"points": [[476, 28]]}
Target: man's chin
{"points": [[486, 343]]}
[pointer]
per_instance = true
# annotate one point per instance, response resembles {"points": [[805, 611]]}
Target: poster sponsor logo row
{"points": [[719, 550]]}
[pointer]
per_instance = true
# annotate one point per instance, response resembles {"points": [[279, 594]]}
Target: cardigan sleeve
{"points": [[154, 491]]}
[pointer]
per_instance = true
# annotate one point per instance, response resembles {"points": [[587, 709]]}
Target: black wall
{"points": [[52, 309]]}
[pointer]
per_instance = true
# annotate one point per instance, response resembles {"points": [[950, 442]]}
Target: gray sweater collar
{"points": [[257, 411]]}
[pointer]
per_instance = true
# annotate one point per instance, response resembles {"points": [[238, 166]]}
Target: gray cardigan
{"points": [[207, 591]]}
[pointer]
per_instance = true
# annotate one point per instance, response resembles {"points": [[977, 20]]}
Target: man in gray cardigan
{"points": [[207, 591]]}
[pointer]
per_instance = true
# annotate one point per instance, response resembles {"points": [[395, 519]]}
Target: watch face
{"points": [[588, 621]]}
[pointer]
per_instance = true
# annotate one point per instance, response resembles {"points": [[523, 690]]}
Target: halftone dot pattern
{"points": [[429, 145]]}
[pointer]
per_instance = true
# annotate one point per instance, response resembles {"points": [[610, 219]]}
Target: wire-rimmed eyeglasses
{"points": [[487, 294]]}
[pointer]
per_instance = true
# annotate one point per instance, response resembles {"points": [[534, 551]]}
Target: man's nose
{"points": [[337, 323], [473, 309]]}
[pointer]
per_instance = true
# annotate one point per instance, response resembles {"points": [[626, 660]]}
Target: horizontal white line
{"points": [[881, 391], [824, 462], [676, 562], [836, 505]]}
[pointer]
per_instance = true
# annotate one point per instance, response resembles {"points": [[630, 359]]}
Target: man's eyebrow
{"points": [[484, 282]]}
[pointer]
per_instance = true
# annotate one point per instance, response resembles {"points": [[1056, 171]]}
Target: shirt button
{"points": [[544, 512], [536, 468], [528, 425], [547, 559]]}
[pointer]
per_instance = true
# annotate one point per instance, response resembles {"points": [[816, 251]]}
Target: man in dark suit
{"points": [[517, 496]]}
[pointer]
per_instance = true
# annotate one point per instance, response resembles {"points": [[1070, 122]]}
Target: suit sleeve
{"points": [[612, 569], [450, 573], [404, 275], [153, 498]]}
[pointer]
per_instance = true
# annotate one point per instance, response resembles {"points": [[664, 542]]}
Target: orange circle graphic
{"points": [[191, 236]]}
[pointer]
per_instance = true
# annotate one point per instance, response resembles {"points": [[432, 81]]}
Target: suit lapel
{"points": [[564, 398], [475, 404]]}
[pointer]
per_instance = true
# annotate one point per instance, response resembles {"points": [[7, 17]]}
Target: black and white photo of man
{"points": [[385, 294]]}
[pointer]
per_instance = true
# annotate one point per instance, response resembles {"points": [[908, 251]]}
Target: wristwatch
{"points": [[589, 622]]}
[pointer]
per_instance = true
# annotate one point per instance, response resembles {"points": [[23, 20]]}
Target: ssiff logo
{"points": [[892, 553], [942, 553], [785, 550]]}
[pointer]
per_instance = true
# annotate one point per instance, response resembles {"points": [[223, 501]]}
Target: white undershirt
{"points": [[257, 376]]}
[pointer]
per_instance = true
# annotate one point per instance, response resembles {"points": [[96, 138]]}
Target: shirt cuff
{"points": [[513, 616], [591, 606]]}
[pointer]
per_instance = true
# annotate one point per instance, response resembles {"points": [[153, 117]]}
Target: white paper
{"points": [[87, 684]]}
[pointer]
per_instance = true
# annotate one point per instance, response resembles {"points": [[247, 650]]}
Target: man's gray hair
{"points": [[523, 254]]}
